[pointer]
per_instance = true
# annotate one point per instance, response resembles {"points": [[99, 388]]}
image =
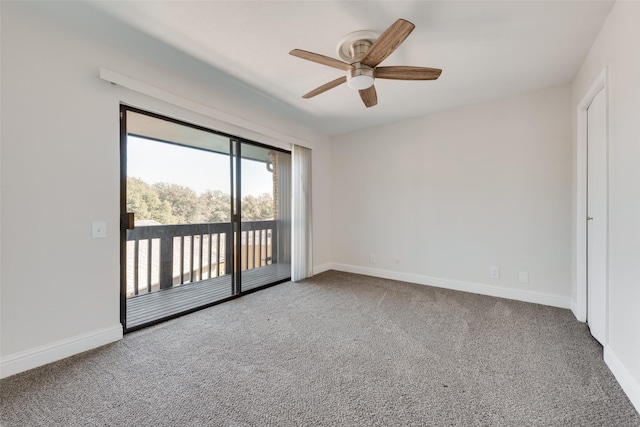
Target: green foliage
{"points": [[254, 208], [146, 203], [175, 204], [216, 205], [183, 201]]}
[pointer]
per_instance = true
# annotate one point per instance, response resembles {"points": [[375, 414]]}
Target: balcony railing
{"points": [[164, 256]]}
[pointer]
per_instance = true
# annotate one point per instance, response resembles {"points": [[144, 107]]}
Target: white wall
{"points": [[617, 48], [451, 194], [61, 170]]}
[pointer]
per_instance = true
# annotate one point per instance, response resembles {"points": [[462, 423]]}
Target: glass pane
{"points": [[266, 206], [178, 187]]}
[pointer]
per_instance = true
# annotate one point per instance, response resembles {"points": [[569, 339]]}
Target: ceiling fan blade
{"points": [[388, 42], [407, 73], [325, 87], [369, 96], [321, 59]]}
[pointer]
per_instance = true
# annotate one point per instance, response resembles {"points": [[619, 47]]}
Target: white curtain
{"points": [[302, 224]]}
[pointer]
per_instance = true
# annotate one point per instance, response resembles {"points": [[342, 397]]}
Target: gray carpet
{"points": [[335, 350]]}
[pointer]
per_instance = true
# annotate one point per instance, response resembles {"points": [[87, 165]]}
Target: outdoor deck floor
{"points": [[149, 307]]}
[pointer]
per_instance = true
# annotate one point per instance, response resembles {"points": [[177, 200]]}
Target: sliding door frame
{"points": [[234, 239], [235, 158]]}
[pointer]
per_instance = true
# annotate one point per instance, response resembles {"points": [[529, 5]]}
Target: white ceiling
{"points": [[487, 49]]}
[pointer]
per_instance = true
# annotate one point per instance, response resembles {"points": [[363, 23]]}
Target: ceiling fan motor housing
{"points": [[354, 46], [358, 50]]}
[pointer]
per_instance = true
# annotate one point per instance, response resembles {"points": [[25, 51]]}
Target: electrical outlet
{"points": [[494, 272], [523, 277], [372, 258]]}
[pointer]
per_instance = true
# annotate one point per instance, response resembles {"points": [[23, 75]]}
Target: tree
{"points": [[215, 206], [183, 201], [257, 208], [174, 204], [145, 202]]}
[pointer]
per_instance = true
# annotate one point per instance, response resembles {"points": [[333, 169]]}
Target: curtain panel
{"points": [[302, 223]]}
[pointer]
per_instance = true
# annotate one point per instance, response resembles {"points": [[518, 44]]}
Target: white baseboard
{"points": [[317, 269], [29, 359], [476, 288], [574, 308], [629, 384]]}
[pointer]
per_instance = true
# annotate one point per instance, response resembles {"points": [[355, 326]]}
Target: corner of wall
{"points": [[317, 269]]}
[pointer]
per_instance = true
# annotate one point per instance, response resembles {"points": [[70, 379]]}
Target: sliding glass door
{"points": [[205, 217]]}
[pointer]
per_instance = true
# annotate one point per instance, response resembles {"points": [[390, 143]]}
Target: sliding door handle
{"points": [[130, 221]]}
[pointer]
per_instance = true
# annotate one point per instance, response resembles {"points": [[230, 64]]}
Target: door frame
{"points": [[581, 257], [234, 242]]}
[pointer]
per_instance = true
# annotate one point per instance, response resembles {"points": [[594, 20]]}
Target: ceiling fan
{"points": [[362, 51]]}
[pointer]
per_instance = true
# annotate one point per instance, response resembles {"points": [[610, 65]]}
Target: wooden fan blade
{"points": [[388, 42], [407, 73], [369, 96], [325, 87], [321, 59]]}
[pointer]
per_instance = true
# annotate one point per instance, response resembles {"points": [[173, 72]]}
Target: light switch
{"points": [[98, 229]]}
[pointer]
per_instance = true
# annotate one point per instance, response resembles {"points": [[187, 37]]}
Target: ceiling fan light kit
{"points": [[361, 53], [360, 77]]}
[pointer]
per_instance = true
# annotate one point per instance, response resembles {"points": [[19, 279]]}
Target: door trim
{"points": [[580, 266]]}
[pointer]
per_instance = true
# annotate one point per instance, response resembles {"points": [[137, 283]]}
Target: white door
{"points": [[597, 217]]}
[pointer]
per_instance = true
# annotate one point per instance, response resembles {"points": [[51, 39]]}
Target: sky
{"points": [[154, 161]]}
